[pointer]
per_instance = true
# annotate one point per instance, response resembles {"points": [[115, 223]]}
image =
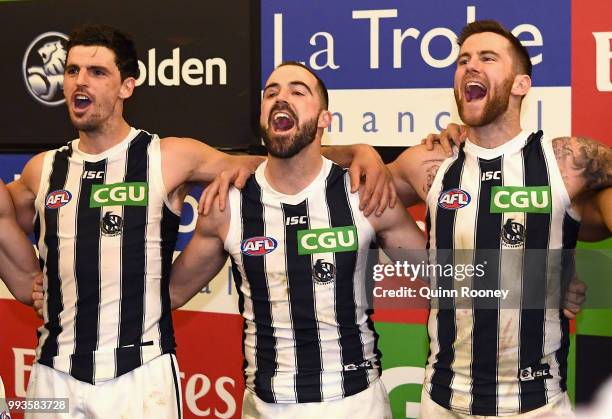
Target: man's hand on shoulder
{"points": [[365, 168], [237, 175], [452, 135]]}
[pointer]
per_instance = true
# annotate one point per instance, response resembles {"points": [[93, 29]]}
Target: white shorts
{"points": [[150, 391], [2, 393], [371, 403], [558, 408]]}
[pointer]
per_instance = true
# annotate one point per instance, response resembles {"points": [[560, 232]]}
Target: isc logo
{"points": [[491, 175], [454, 199], [57, 199], [258, 246], [291, 221], [92, 174]]}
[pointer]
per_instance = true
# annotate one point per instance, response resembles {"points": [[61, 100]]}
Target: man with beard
{"points": [[106, 211], [298, 244], [499, 361]]}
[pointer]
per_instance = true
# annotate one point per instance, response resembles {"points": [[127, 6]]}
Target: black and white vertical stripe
{"points": [[479, 349], [304, 341], [107, 301]]}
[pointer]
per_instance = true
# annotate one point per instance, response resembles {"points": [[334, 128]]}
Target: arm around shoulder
{"points": [[202, 259], [414, 172]]}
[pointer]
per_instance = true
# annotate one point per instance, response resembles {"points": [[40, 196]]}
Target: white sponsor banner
{"points": [[402, 117]]}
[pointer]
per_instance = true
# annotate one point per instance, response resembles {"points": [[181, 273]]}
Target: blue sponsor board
{"points": [[11, 165], [382, 44]]}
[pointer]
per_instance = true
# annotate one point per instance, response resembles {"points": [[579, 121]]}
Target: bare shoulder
{"points": [[419, 166], [31, 173], [216, 223], [585, 164]]}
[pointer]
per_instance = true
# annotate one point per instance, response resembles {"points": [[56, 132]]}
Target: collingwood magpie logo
{"points": [[513, 233], [323, 272], [43, 68], [111, 224]]}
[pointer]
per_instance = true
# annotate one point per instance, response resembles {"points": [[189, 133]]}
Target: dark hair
{"points": [[481, 26], [320, 85], [121, 44]]}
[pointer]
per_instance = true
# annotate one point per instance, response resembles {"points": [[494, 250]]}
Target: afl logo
{"points": [[454, 199], [258, 246], [43, 68], [57, 199]]}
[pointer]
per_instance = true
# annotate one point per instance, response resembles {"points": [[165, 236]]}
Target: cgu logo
{"points": [[534, 199], [123, 194], [258, 246], [454, 199], [326, 240], [57, 199]]}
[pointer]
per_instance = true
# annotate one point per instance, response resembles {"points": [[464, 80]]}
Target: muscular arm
{"points": [[18, 263], [23, 192], [201, 260], [396, 229], [188, 160], [414, 172], [585, 165]]}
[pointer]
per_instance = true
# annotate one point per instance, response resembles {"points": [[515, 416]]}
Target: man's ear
{"points": [[521, 85], [127, 87], [324, 119]]}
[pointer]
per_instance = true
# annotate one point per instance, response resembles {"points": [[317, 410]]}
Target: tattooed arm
{"points": [[414, 172], [585, 165]]}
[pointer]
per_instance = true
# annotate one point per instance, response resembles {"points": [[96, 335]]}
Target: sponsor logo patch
{"points": [[454, 199], [513, 233], [539, 372], [534, 199], [111, 224], [323, 272], [327, 240], [57, 199], [258, 246], [134, 194]]}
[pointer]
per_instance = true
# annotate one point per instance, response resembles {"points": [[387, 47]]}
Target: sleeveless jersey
{"points": [[508, 357], [299, 266], [106, 235]]}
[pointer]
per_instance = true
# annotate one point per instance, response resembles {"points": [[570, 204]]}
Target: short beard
{"points": [[496, 106], [285, 146]]}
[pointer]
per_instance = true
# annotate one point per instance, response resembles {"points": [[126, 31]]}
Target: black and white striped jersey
{"points": [[299, 265], [106, 235], [507, 358]]}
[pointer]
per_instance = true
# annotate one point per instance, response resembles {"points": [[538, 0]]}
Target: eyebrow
{"points": [[87, 67], [479, 53], [292, 84]]}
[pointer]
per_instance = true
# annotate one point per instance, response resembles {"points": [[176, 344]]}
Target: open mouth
{"points": [[81, 101], [474, 91], [282, 121]]}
